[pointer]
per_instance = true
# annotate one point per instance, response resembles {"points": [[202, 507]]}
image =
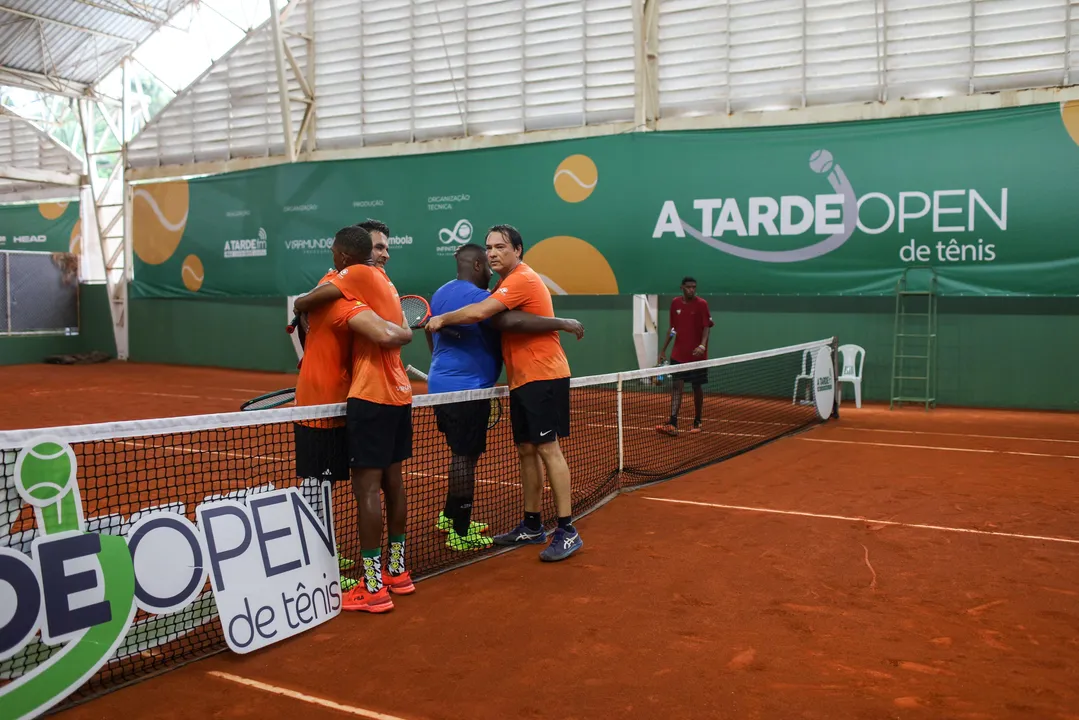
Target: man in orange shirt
{"points": [[380, 241], [379, 415], [379, 422], [538, 375], [324, 379]]}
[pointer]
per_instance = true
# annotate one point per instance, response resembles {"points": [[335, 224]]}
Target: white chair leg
{"points": [[858, 393]]}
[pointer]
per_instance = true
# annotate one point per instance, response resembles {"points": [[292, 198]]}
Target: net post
{"points": [[621, 446], [835, 374]]}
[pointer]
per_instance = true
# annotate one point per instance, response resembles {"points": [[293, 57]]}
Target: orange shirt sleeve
{"points": [[354, 282], [344, 310], [514, 291]]}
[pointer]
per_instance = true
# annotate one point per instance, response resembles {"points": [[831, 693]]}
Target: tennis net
{"points": [[127, 469]]}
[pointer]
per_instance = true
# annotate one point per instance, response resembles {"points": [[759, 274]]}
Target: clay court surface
{"points": [[889, 564]]}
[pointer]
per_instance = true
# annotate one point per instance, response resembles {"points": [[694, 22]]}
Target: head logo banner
{"points": [[267, 560], [40, 227]]}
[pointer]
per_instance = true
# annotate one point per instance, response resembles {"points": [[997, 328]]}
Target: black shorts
{"points": [[378, 435], [694, 377], [539, 411], [465, 426], [321, 452]]}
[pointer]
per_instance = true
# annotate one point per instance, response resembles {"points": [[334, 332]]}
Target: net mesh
{"points": [[129, 468]]}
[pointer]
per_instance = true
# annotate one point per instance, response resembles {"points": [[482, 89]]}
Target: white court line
{"points": [[702, 432], [219, 387], [155, 394], [965, 435], [934, 447], [190, 451], [478, 480], [845, 518], [177, 395], [662, 416], [303, 697]]}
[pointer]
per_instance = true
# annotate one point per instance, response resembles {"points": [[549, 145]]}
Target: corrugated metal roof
{"points": [[24, 146], [75, 41]]}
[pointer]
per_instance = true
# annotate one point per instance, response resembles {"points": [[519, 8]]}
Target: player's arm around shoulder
{"points": [[325, 293], [519, 321], [361, 319], [369, 325], [468, 315]]}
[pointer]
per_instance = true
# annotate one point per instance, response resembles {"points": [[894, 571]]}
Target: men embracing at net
{"points": [[538, 374], [324, 379], [362, 299], [468, 357]]}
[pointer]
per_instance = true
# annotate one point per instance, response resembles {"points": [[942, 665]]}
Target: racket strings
{"points": [[415, 310]]}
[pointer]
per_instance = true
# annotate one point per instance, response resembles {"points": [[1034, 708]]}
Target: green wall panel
{"points": [[250, 334], [236, 333], [1010, 353]]}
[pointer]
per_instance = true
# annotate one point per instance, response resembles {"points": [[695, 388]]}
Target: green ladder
{"points": [[914, 348]]}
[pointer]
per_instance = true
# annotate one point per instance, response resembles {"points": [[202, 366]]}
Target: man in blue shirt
{"points": [[469, 357]]}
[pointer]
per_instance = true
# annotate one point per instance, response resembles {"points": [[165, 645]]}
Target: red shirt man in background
{"points": [[691, 321]]}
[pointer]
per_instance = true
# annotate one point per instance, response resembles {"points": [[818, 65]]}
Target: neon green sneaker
{"points": [[473, 541], [343, 562], [347, 584], [446, 525]]}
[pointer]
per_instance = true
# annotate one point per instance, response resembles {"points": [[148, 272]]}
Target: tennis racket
{"points": [[416, 310], [496, 413], [414, 372], [274, 399]]}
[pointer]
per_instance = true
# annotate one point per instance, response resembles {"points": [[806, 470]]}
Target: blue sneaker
{"points": [[563, 544], [521, 535]]}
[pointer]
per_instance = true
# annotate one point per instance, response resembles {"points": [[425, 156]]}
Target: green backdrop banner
{"points": [[987, 199], [47, 227]]}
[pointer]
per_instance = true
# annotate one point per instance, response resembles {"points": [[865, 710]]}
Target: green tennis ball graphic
{"points": [[44, 473]]}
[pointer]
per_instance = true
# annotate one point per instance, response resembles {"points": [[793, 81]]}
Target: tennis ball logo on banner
{"points": [[159, 216], [569, 265], [192, 273], [1069, 115], [52, 211], [159, 565], [575, 178]]}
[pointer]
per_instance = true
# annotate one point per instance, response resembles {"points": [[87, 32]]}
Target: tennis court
{"points": [[885, 564]]}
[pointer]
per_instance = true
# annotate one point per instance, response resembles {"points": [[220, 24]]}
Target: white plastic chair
{"points": [[850, 370], [806, 374]]}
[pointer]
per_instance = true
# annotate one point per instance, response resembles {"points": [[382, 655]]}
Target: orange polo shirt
{"points": [[378, 375], [326, 368], [530, 357]]}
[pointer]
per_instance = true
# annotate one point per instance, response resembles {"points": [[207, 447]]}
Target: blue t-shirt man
{"points": [[470, 357]]}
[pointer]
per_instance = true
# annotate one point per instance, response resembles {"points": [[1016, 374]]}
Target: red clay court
{"points": [[888, 564]]}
